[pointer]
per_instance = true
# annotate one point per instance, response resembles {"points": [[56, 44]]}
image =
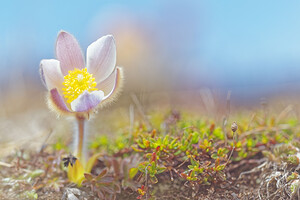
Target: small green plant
{"points": [[152, 166], [103, 184], [142, 192]]}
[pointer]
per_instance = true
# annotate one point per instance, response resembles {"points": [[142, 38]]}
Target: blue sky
{"points": [[228, 43], [254, 37], [254, 30]]}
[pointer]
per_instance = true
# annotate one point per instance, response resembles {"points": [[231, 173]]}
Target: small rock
{"points": [[75, 191], [71, 196]]}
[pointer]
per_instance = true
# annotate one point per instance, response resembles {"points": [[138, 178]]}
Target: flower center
{"points": [[76, 82]]}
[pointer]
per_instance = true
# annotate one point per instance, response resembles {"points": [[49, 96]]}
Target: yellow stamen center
{"points": [[76, 82]]}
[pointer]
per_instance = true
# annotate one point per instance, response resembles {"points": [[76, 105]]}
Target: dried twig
{"points": [[10, 165], [141, 110]]}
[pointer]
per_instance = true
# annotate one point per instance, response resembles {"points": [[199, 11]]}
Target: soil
{"points": [[244, 181]]}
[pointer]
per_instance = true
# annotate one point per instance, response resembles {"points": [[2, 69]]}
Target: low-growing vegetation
{"points": [[171, 156]]}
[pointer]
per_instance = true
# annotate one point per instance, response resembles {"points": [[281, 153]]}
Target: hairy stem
{"points": [[80, 138]]}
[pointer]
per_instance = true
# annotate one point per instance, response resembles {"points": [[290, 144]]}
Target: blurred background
{"points": [[251, 48]]}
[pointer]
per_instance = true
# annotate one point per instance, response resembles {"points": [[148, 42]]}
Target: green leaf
{"points": [[153, 179], [166, 140], [140, 144], [293, 122], [136, 149], [36, 173], [132, 172], [218, 133], [91, 162], [146, 143], [250, 142], [195, 137], [172, 144], [220, 167], [293, 176], [205, 143], [238, 144], [161, 170], [214, 156], [153, 165], [201, 170], [31, 195]]}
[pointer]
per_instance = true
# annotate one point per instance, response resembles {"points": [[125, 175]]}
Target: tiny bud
{"points": [[153, 133], [234, 127], [153, 157], [157, 148]]}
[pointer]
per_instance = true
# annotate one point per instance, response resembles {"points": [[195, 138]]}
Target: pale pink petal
{"points": [[87, 101], [113, 83], [101, 57], [107, 85], [68, 52], [51, 73], [58, 101]]}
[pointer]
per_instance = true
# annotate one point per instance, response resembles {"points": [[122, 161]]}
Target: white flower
{"points": [[76, 86]]}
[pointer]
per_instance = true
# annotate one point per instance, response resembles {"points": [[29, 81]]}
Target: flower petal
{"points": [[51, 73], [101, 57], [87, 101], [57, 101], [112, 85], [68, 52], [107, 85]]}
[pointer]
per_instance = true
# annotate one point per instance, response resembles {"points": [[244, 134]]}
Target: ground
{"points": [[157, 150]]}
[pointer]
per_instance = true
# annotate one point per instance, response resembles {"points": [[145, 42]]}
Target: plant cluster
{"points": [[193, 153]]}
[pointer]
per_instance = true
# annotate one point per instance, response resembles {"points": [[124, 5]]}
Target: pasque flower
{"points": [[77, 87]]}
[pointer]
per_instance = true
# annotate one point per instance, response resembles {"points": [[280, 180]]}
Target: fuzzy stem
{"points": [[80, 138]]}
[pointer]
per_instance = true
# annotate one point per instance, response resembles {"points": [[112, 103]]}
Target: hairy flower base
{"points": [[76, 82]]}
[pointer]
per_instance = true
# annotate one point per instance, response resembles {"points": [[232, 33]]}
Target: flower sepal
{"points": [[77, 171]]}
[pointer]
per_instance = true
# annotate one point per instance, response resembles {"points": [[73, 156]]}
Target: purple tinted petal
{"points": [[51, 73], [68, 52], [101, 57], [87, 101], [58, 101]]}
